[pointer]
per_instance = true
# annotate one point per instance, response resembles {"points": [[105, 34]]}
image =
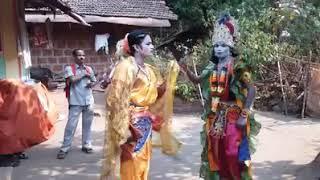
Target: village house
{"points": [[54, 28], [53, 37]]}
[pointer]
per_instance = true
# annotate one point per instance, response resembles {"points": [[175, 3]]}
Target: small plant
{"points": [[186, 91]]}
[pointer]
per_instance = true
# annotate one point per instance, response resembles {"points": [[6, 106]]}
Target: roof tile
{"points": [[123, 8]]}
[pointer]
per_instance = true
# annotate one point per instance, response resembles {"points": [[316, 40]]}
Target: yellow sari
{"points": [[132, 85]]}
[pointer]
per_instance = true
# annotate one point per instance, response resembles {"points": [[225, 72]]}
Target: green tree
{"points": [[268, 28], [263, 24]]}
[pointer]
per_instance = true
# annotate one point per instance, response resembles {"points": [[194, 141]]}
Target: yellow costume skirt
{"points": [[137, 168]]}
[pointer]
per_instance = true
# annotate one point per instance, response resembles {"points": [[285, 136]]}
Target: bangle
{"points": [[244, 113]]}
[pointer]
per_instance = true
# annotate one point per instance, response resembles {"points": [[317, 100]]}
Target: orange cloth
{"points": [[213, 160], [27, 114], [138, 167]]}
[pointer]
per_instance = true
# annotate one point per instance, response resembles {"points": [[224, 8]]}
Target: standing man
{"points": [[79, 82]]}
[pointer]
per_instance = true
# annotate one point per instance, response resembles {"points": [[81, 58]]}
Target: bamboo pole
{"points": [[199, 86], [282, 90], [306, 80]]}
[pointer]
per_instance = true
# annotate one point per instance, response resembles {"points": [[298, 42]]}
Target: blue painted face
{"points": [[221, 50]]}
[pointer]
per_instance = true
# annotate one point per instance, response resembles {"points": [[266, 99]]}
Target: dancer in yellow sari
{"points": [[136, 90]]}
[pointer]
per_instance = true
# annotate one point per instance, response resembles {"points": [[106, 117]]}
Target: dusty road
{"points": [[286, 146]]}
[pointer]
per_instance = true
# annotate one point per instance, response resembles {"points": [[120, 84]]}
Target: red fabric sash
{"points": [[128, 147]]}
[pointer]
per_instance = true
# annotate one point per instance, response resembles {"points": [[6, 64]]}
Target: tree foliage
{"points": [[268, 27], [268, 30]]}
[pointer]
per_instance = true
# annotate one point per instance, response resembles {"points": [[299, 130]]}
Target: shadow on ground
{"points": [[275, 170], [187, 163], [43, 165]]}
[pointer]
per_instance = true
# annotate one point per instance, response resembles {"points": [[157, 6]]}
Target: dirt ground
{"points": [[285, 149]]}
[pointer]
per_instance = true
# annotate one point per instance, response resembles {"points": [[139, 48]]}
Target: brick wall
{"points": [[65, 38]]}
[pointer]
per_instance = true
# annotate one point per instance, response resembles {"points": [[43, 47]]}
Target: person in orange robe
{"points": [[27, 116]]}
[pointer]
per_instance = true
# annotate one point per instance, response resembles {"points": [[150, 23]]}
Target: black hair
{"points": [[215, 60], [74, 52], [135, 38]]}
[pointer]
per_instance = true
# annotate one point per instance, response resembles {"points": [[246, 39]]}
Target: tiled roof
{"points": [[123, 8], [53, 5]]}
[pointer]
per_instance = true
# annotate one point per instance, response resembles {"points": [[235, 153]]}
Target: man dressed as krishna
{"points": [[229, 93]]}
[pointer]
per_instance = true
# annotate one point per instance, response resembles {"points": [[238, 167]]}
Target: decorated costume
{"points": [[135, 108], [229, 128]]}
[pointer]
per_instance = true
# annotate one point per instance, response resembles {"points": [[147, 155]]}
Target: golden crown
{"points": [[225, 30]]}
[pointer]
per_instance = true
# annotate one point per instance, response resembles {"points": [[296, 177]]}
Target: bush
{"points": [[186, 91]]}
